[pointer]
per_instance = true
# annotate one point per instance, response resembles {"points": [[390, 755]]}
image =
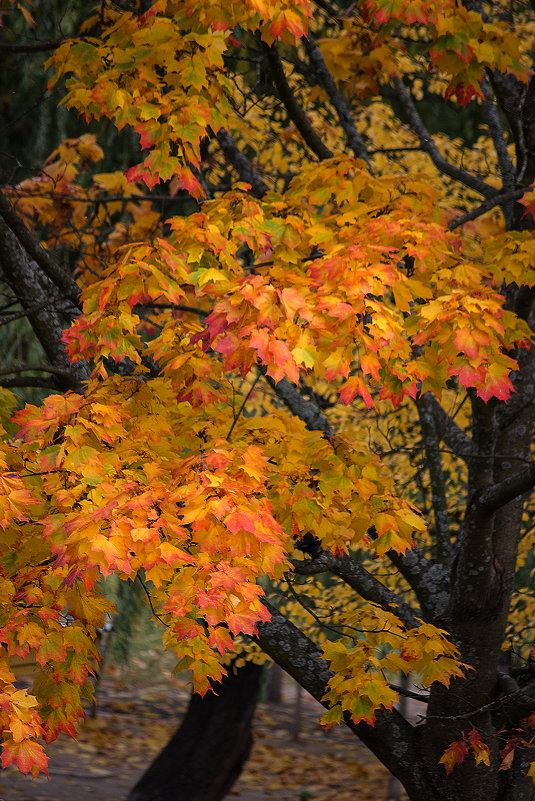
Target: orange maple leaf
{"points": [[27, 755], [453, 755]]}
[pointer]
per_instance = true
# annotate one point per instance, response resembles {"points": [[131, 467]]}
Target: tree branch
{"points": [[448, 431], [295, 112], [24, 368], [430, 581], [34, 249], [29, 381], [433, 461], [30, 285], [241, 163], [302, 659], [354, 139], [474, 576], [493, 498], [30, 47], [431, 149], [358, 578], [497, 200], [306, 410], [507, 169], [10, 318]]}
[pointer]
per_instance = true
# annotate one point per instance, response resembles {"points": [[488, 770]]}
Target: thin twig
{"points": [[9, 318], [242, 164], [242, 407], [424, 697], [147, 593]]}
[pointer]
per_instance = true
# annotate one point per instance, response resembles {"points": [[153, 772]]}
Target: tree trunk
{"points": [[206, 754], [274, 684]]}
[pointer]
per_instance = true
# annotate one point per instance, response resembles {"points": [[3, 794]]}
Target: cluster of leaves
{"points": [[473, 744], [347, 279]]}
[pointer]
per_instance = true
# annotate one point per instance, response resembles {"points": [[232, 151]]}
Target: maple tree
{"points": [[300, 410]]}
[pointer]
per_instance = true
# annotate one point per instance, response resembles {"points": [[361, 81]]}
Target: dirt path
{"points": [[136, 719]]}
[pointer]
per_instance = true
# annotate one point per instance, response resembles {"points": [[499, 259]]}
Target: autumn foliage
{"points": [[221, 375]]}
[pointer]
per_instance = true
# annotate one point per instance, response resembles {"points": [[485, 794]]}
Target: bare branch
{"points": [[493, 498], [497, 200], [306, 410], [363, 582], [295, 112], [31, 244], [424, 697], [10, 318], [448, 431], [30, 285], [44, 368], [30, 47], [431, 149], [29, 381], [331, 12], [241, 163], [498, 137], [354, 139], [433, 461]]}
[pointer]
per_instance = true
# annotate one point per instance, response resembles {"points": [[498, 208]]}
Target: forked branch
{"points": [[428, 144]]}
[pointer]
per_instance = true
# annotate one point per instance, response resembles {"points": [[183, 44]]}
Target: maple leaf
{"points": [[480, 749], [28, 756], [507, 754], [453, 755]]}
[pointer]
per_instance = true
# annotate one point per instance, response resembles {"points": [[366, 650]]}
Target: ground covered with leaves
{"points": [[140, 707]]}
